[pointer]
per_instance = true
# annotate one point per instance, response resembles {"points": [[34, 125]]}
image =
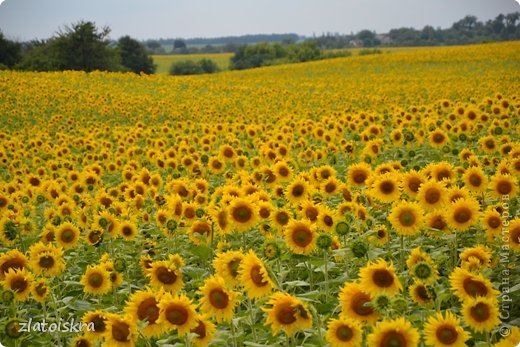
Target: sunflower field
{"points": [[360, 201]]}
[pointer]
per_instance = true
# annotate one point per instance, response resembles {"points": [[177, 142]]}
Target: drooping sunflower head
{"points": [[226, 265], [357, 304], [379, 277], [254, 276], [287, 313]]}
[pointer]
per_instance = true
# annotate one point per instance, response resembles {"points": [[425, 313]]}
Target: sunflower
{"points": [[19, 281], [420, 293], [475, 179], [344, 332], [199, 232], [143, 305], [356, 303], [379, 278], [97, 320], [9, 231], [456, 193], [13, 259], [217, 300], [481, 314], [406, 217], [432, 195], [503, 185], [381, 235], [166, 275], [283, 171], [67, 235], [177, 312], [216, 166], [441, 171], [300, 237], [254, 276], [417, 255], [412, 181], [204, 332], [128, 230], [466, 285], [514, 235], [81, 341], [436, 225], [462, 214], [280, 218], [358, 174], [226, 265], [40, 290], [94, 237], [425, 272], [394, 333], [310, 211], [46, 259], [330, 186], [242, 214], [297, 191], [121, 331], [479, 254], [96, 280], [438, 138], [385, 188], [445, 331], [287, 313]]}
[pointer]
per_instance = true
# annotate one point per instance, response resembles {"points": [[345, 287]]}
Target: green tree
{"points": [[134, 57], [83, 47], [10, 51]]}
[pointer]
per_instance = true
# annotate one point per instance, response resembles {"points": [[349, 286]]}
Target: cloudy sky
{"points": [[142, 19]]}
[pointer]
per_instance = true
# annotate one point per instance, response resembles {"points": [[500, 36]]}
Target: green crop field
{"points": [[165, 61]]}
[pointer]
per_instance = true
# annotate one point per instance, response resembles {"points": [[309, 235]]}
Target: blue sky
{"points": [[28, 19]]}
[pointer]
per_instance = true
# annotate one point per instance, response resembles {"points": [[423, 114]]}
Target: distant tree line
{"points": [[465, 31], [81, 46]]}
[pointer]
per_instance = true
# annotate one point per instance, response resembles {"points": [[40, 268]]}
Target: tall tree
{"points": [[10, 51], [134, 57]]}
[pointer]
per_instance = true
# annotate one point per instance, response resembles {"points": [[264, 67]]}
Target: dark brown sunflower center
{"points": [[422, 293], [46, 262], [233, 267], [407, 218], [219, 299], [165, 275], [432, 196], [242, 214], [19, 284], [68, 235], [285, 314], [446, 334], [256, 276], [99, 324], [311, 213], [438, 223], [382, 278], [148, 310], [330, 187], [438, 138], [381, 233], [475, 180], [176, 314], [120, 331], [200, 330], [504, 187], [474, 288], [298, 190], [480, 312], [359, 177], [462, 215], [361, 304], [41, 289], [95, 280], [344, 333], [127, 230], [282, 218], [393, 339], [442, 174], [414, 184], [302, 236], [494, 222]]}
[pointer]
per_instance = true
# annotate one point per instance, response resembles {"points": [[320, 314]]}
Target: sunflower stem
{"points": [[454, 251], [326, 260], [401, 260], [233, 333], [251, 317]]}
